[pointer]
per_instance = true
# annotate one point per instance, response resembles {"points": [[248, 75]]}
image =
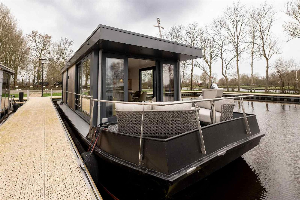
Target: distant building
{"points": [[5, 77]]}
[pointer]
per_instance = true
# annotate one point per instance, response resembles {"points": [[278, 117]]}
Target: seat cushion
{"points": [[220, 92], [203, 104], [183, 106], [204, 115], [131, 107]]}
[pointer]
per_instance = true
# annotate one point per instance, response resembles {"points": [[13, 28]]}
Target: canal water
{"points": [[270, 170]]}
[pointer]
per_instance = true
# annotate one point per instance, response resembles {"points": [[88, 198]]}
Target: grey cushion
{"points": [[131, 107], [204, 115], [219, 92], [183, 106], [203, 104]]}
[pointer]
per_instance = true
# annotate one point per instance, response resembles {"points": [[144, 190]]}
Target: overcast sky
{"points": [[76, 19]]}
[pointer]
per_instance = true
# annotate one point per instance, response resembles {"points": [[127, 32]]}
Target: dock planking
{"points": [[37, 160]]}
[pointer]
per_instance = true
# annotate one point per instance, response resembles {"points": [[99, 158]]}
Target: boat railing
{"points": [[240, 98]]}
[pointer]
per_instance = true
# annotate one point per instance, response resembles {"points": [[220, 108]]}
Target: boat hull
{"points": [[116, 175], [169, 165]]}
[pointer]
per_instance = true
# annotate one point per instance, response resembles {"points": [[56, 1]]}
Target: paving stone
{"points": [[36, 158]]}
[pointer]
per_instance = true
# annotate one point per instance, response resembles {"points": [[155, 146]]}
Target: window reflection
{"points": [[147, 82], [114, 83], [168, 82], [84, 85]]}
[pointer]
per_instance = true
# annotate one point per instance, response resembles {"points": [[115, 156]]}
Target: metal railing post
{"points": [[245, 117], [4, 100], [27, 95], [141, 150], [81, 102], [51, 94], [213, 109], [91, 112], [200, 131]]}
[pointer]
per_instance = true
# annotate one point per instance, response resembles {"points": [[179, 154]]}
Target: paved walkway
{"points": [[36, 158]]}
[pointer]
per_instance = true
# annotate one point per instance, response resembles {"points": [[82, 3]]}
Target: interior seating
{"points": [[143, 96], [136, 95]]}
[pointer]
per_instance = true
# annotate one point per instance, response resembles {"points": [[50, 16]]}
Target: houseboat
{"points": [[5, 74], [121, 97]]}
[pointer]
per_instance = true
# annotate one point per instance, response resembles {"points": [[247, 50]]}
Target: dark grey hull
{"points": [[172, 164]]}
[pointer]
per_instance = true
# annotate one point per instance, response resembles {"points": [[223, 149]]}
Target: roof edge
{"points": [[4, 68]]}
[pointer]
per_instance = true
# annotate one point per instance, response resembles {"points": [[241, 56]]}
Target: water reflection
{"points": [[277, 159], [270, 170], [234, 181]]}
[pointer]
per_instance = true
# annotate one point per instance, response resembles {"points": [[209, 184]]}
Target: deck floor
{"points": [[37, 160]]}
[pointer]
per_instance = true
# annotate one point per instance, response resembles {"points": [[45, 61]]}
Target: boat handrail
{"points": [[161, 103]]}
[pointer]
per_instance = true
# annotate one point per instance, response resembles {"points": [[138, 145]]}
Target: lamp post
{"points": [[296, 82], [41, 60]]}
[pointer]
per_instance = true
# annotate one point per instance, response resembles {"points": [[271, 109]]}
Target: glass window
{"points": [[168, 82], [114, 83], [147, 81], [5, 91], [84, 85]]}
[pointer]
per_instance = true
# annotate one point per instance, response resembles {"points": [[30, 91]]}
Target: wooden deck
{"points": [[37, 158]]}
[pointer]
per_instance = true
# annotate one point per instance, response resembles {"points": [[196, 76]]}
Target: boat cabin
{"points": [[118, 65], [5, 74]]}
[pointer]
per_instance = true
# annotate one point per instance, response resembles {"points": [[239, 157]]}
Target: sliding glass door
{"points": [[148, 82]]}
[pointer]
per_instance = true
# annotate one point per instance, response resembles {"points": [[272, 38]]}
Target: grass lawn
{"points": [[17, 95], [45, 94], [53, 94]]}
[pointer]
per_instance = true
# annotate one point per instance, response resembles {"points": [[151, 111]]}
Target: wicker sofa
{"points": [[159, 121], [165, 120]]}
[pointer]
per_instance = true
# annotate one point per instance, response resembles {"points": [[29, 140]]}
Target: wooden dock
{"points": [[267, 97], [38, 160]]}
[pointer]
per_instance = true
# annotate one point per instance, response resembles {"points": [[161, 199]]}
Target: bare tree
{"points": [[252, 41], [39, 49], [177, 34], [20, 54], [191, 37], [209, 51], [293, 11], [60, 52], [235, 26], [13, 45], [281, 68], [222, 48], [264, 18]]}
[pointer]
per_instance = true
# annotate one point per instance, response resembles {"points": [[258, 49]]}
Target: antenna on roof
{"points": [[159, 27]]}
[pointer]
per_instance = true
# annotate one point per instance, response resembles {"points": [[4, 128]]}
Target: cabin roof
{"points": [[116, 40], [2, 67]]}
